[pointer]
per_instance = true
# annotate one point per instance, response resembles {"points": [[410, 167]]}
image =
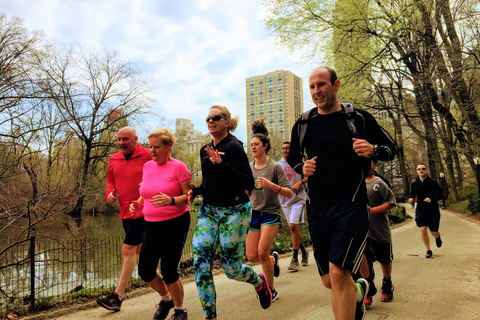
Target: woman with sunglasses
{"points": [[270, 182], [224, 216]]}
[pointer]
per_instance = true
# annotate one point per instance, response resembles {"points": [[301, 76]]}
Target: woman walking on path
{"points": [[163, 196], [270, 182], [224, 216]]}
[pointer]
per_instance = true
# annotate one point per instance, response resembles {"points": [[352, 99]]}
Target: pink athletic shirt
{"points": [[166, 179]]}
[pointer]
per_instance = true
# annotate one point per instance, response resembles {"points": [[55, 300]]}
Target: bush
{"points": [[397, 214], [473, 206], [468, 192]]}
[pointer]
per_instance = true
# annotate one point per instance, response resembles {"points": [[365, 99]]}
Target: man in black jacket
{"points": [[427, 192], [338, 163]]}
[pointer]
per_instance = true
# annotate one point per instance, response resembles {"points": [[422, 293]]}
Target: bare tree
{"points": [[94, 92]]}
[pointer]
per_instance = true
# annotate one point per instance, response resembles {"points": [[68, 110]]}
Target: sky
{"points": [[198, 52]]}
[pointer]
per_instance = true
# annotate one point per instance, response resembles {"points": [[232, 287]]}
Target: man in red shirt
{"points": [[124, 176]]}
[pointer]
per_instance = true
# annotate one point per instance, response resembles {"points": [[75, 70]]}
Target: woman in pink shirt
{"points": [[163, 195]]}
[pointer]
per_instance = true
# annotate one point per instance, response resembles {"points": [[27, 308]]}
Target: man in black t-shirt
{"points": [[338, 163]]}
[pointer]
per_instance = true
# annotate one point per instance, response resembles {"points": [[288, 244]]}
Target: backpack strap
{"points": [[347, 109], [302, 128], [349, 112]]}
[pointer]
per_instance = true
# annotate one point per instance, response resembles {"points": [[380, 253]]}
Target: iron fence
{"points": [[37, 274]]}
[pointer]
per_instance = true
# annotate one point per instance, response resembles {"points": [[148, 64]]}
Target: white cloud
{"points": [[199, 52]]}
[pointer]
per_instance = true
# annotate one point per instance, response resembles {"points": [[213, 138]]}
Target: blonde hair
{"points": [[164, 134], [226, 114]]}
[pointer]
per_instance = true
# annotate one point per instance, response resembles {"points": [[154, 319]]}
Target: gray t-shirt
{"points": [[293, 177], [267, 200], [379, 193]]}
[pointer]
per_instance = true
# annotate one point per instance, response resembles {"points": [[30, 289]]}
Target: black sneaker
{"points": [[276, 268], [360, 308], [163, 307], [274, 295], [429, 254], [264, 293], [438, 242], [387, 291], [305, 259], [179, 315], [110, 302]]}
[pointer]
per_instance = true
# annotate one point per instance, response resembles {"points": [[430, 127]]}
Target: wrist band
{"points": [[173, 201], [280, 189]]}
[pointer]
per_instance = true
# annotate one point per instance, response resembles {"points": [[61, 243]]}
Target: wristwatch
{"points": [[376, 150]]}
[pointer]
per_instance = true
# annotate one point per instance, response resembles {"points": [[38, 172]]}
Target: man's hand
{"points": [[411, 200], [134, 206], [427, 200], [309, 166], [112, 197], [296, 186], [363, 148]]}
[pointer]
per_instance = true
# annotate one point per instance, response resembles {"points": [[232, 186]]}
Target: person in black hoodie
{"points": [[224, 216], [427, 215]]}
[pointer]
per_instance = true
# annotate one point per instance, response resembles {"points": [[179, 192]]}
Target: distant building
{"points": [[190, 139], [276, 97]]}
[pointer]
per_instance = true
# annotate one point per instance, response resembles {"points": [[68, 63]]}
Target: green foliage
{"points": [[468, 192], [283, 240], [459, 206], [397, 215], [473, 206]]}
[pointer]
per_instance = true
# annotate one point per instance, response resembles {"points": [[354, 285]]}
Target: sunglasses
{"points": [[215, 118], [421, 169]]}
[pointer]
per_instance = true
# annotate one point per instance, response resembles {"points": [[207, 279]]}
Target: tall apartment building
{"points": [[190, 138], [276, 97]]}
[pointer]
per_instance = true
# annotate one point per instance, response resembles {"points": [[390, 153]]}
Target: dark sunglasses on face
{"points": [[421, 169], [215, 118]]}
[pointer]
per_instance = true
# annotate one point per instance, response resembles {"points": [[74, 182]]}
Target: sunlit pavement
{"points": [[445, 287]]}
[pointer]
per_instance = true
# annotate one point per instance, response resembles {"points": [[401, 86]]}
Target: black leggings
{"points": [[164, 240]]}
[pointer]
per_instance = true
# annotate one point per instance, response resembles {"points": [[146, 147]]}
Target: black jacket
{"points": [[224, 184], [340, 173], [428, 188]]}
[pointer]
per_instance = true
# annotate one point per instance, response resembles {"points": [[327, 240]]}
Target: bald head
{"points": [[324, 85], [127, 139]]}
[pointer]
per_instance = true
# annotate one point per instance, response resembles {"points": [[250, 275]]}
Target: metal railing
{"points": [[36, 275]]}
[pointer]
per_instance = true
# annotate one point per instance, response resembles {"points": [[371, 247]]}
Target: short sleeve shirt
{"points": [[266, 200]]}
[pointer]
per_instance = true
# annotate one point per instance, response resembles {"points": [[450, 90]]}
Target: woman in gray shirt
{"points": [[270, 183]]}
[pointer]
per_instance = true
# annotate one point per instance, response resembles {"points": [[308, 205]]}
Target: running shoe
{"points": [[110, 302], [163, 308], [305, 259], [264, 293], [360, 308], [429, 254], [180, 315], [294, 265], [274, 295], [276, 268], [368, 302], [438, 242], [387, 291]]}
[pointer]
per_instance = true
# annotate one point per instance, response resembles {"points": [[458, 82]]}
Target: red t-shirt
{"points": [[125, 176]]}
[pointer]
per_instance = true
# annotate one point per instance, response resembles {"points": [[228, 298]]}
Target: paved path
{"points": [[445, 287]]}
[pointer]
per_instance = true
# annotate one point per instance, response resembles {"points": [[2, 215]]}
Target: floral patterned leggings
{"points": [[227, 227]]}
